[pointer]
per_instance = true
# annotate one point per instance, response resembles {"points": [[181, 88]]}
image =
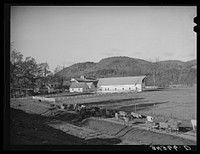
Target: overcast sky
{"points": [[67, 35]]}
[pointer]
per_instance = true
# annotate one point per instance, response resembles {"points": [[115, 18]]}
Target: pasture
{"points": [[180, 103]]}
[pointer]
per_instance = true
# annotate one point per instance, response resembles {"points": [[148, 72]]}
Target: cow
{"points": [[150, 119], [116, 116], [126, 120], [62, 107], [74, 106], [150, 122], [83, 106], [194, 124], [136, 115], [122, 113]]}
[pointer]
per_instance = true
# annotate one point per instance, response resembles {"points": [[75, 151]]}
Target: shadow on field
{"points": [[112, 101], [70, 94], [103, 141], [185, 129], [159, 89], [140, 107]]}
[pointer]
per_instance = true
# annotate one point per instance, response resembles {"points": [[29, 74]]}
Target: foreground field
{"points": [[31, 129], [176, 103]]}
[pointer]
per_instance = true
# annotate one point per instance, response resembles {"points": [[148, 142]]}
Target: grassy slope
{"points": [[30, 129]]}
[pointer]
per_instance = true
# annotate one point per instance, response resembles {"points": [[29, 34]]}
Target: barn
{"points": [[79, 87], [85, 80], [121, 84]]}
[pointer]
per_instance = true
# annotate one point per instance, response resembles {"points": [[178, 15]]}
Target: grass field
{"points": [[180, 103]]}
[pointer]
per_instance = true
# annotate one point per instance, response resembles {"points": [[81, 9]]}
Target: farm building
{"points": [[120, 84], [81, 87], [85, 80], [46, 88]]}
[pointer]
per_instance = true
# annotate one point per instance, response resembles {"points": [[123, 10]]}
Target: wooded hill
{"points": [[160, 73]]}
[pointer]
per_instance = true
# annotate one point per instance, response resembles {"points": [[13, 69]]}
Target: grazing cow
{"points": [[150, 118], [62, 107], [122, 113], [125, 119], [136, 115], [116, 115], [74, 106], [83, 106], [149, 122], [194, 124]]}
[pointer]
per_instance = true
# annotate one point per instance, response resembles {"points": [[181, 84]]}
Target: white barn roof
{"points": [[120, 81]]}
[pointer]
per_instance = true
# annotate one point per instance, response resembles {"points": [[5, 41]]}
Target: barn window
{"points": [[129, 88], [122, 88], [108, 89], [115, 88]]}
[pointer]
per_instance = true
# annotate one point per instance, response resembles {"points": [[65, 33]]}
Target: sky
{"points": [[65, 35]]}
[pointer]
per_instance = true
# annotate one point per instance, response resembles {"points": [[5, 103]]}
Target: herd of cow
{"points": [[170, 125]]}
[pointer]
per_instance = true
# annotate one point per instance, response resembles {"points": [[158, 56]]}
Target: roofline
{"points": [[123, 77]]}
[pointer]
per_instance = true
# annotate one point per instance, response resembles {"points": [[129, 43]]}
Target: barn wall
{"points": [[120, 88], [76, 89]]}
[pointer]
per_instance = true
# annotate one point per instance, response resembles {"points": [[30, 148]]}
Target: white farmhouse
{"points": [[79, 87]]}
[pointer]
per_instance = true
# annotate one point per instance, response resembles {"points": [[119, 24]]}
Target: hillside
{"points": [[166, 72]]}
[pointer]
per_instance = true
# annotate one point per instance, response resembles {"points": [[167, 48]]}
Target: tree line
{"points": [[27, 73]]}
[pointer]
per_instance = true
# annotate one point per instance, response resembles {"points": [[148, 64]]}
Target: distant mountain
{"points": [[191, 63], [178, 64], [126, 66], [169, 64], [112, 66]]}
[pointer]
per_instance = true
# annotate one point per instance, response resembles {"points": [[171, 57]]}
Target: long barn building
{"points": [[121, 84]]}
